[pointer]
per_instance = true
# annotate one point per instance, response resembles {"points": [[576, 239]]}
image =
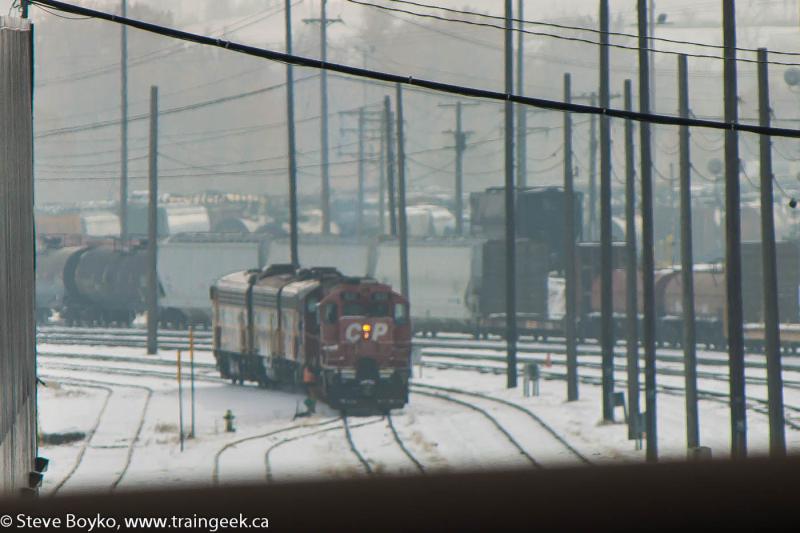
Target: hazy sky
{"points": [[188, 78]]}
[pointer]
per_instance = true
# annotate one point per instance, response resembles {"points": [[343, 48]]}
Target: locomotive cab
{"points": [[366, 345]]}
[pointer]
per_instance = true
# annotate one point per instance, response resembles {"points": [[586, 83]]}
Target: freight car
{"points": [[456, 283], [91, 285], [353, 333], [539, 217], [189, 263]]}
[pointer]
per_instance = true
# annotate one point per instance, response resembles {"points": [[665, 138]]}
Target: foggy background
{"points": [[239, 145]]}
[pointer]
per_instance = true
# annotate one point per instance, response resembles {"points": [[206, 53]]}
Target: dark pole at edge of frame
{"points": [[152, 229], [123, 177], [511, 244], [631, 277], [733, 258], [772, 340], [648, 260], [295, 255], [606, 280], [522, 111], [569, 251], [401, 195], [687, 263], [390, 164]]}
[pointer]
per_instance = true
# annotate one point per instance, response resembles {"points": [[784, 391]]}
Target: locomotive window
{"points": [[400, 314], [330, 313], [311, 305], [350, 296], [378, 309], [353, 308], [380, 296]]}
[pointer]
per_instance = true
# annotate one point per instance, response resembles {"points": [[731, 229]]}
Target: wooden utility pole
{"points": [[772, 339], [152, 229], [687, 263]]}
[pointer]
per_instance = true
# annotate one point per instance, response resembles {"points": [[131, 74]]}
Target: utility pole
{"points": [[772, 341], [592, 170], [522, 111], [511, 235], [460, 137], [389, 121], [687, 263], [648, 260], [631, 277], [733, 259], [569, 252], [295, 255], [323, 88], [123, 171], [651, 22], [360, 201], [363, 116], [382, 178], [152, 229], [606, 281], [401, 195]]}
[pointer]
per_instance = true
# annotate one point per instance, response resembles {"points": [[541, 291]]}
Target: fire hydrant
{"points": [[229, 418]]}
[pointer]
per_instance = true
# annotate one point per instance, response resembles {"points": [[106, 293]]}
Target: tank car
{"points": [[352, 333], [51, 264], [91, 285], [105, 286]]}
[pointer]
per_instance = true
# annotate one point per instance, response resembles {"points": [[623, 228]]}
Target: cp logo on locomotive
{"points": [[353, 332]]}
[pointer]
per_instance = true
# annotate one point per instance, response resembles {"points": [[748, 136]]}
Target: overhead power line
{"points": [[590, 30], [170, 111], [155, 54], [427, 84], [561, 37]]}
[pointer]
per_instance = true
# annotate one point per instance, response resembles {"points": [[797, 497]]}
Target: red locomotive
{"points": [[352, 334]]}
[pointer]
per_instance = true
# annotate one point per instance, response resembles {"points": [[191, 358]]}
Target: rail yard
{"points": [[315, 262]]}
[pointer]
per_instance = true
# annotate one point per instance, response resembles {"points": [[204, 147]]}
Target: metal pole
{"points": [[461, 146], [648, 260], [382, 178], [360, 201], [606, 281], [511, 243], [687, 263], [733, 259], [592, 171], [323, 80], [24, 5], [123, 173], [152, 229], [191, 359], [387, 113], [631, 276], [401, 194], [777, 438], [180, 400], [569, 252], [290, 130], [522, 111]]}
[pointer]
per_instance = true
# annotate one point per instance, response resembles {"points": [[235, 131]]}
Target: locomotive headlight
{"points": [[366, 331]]}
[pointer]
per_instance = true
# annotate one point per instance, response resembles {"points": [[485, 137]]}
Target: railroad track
{"points": [[443, 396], [131, 446], [489, 350], [402, 445], [215, 473], [514, 406], [88, 439], [758, 405]]}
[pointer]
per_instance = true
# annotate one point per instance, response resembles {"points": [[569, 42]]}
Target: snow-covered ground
{"points": [[127, 408]]}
